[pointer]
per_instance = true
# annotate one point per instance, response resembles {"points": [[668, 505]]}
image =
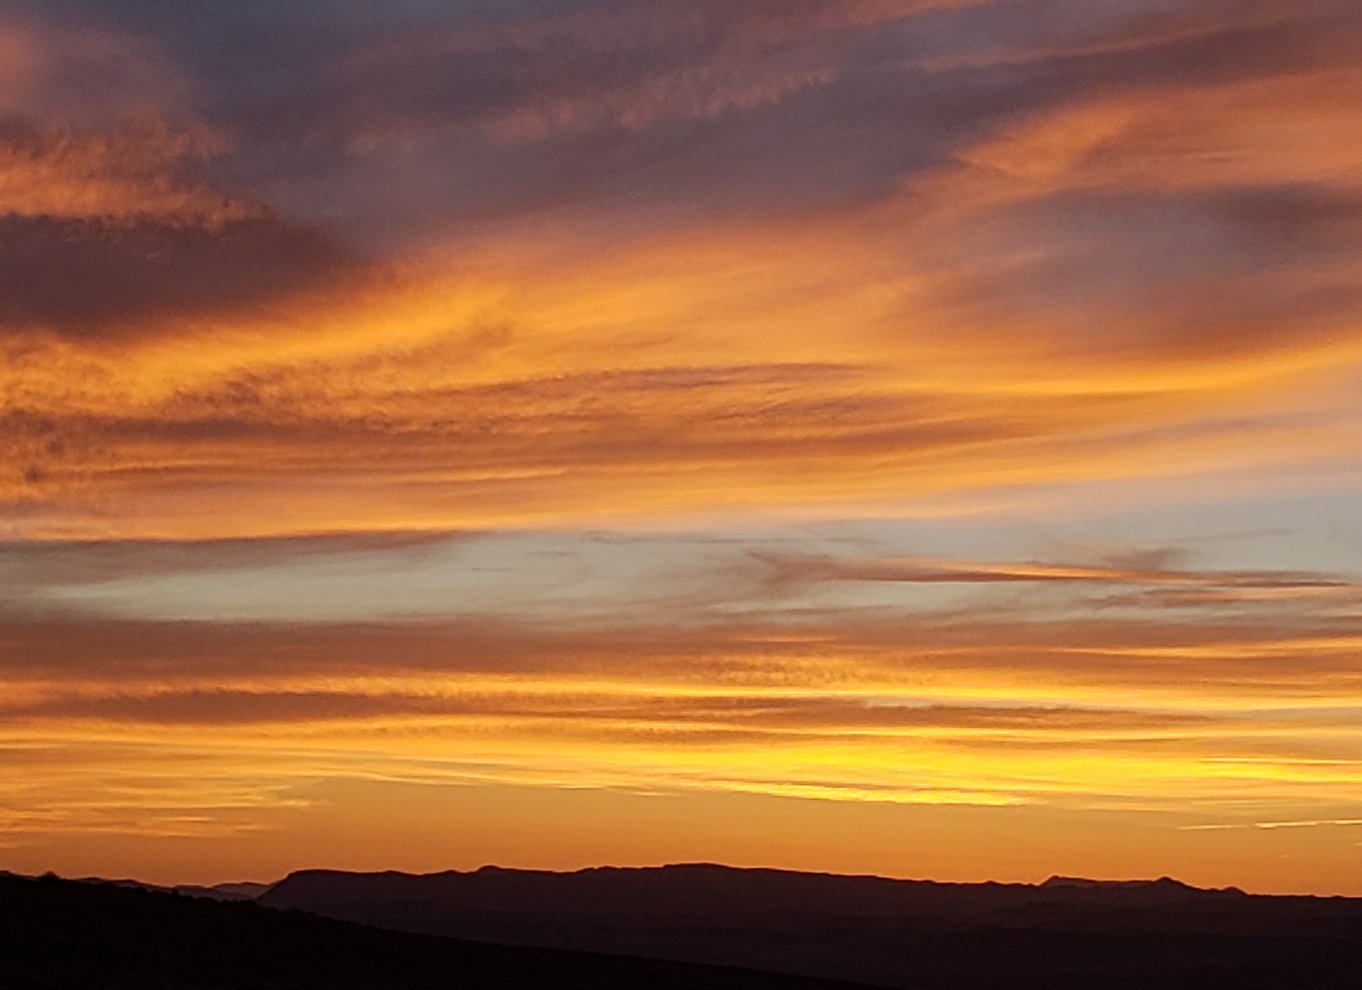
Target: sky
{"points": [[914, 437]]}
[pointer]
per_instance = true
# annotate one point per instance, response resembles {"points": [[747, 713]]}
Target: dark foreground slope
{"points": [[1061, 934], [65, 934]]}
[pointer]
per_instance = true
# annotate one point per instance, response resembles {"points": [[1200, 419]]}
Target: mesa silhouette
{"points": [[1066, 932]]}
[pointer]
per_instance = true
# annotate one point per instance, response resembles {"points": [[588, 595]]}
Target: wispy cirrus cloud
{"points": [[1322, 823], [1170, 292]]}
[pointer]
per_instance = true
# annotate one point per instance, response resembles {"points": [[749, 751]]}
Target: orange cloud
{"points": [[125, 175]]}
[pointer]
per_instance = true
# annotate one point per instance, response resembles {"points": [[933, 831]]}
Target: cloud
{"points": [[105, 230], [970, 703], [129, 174], [966, 572], [1274, 825], [93, 279], [1217, 661], [443, 300], [700, 719], [115, 224], [85, 74], [904, 711]]}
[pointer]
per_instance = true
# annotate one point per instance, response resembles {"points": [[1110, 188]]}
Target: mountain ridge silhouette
{"points": [[889, 932]]}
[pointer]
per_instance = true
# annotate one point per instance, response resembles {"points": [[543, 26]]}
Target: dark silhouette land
{"points": [[63, 934], [675, 926], [1064, 933]]}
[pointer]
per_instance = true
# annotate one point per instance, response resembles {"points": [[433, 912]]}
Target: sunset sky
{"points": [[915, 437]]}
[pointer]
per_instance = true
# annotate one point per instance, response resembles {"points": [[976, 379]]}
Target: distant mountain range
{"points": [[245, 891], [1064, 933]]}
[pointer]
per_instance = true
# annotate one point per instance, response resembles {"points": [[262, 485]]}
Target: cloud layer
{"points": [[741, 398]]}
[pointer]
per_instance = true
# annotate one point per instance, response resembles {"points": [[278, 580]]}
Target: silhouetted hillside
{"points": [[60, 934], [1064, 933]]}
